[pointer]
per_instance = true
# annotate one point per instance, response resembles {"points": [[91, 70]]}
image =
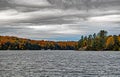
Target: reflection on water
{"points": [[59, 64]]}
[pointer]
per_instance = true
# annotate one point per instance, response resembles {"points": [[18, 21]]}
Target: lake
{"points": [[59, 64]]}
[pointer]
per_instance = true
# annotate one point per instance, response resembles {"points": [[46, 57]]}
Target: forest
{"points": [[100, 42], [15, 43], [95, 42]]}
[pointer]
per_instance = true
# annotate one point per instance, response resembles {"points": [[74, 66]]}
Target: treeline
{"points": [[14, 43], [99, 42]]}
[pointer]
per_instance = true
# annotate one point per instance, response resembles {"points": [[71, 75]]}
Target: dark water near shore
{"points": [[59, 64]]}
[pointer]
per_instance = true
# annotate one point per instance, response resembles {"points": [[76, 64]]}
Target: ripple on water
{"points": [[59, 64]]}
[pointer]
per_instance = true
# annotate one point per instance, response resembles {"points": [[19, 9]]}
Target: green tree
{"points": [[89, 40], [116, 43], [102, 38], [80, 42]]}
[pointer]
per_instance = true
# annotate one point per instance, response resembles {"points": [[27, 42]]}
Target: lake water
{"points": [[59, 64]]}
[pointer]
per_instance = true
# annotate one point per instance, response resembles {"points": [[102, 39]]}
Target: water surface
{"points": [[59, 64]]}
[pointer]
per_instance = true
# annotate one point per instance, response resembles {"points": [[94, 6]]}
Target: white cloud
{"points": [[63, 29], [30, 2], [106, 18], [42, 27], [12, 15]]}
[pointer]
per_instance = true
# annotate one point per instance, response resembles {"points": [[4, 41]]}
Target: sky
{"points": [[58, 19]]}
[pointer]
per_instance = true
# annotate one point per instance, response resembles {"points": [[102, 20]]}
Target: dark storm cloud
{"points": [[40, 19]]}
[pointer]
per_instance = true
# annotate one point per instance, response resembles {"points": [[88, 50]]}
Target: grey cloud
{"points": [[5, 5], [44, 19], [85, 4], [56, 4]]}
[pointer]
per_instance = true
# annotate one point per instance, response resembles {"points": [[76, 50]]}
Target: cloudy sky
{"points": [[58, 19]]}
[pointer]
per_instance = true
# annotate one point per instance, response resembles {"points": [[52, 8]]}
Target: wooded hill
{"points": [[15, 43], [100, 42]]}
